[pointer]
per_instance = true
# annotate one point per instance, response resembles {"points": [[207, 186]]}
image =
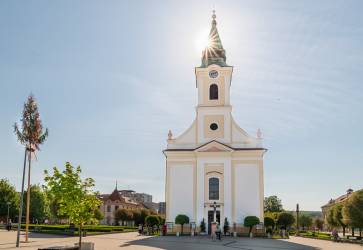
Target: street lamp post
{"points": [[297, 218], [7, 218]]}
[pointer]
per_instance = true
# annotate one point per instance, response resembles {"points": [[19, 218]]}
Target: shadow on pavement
{"points": [[176, 243], [46, 236]]}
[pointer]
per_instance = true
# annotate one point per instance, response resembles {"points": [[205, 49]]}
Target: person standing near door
{"points": [[218, 231]]}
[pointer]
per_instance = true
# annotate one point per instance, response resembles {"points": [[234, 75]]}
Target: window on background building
{"points": [[116, 207], [108, 208], [213, 92], [214, 188]]}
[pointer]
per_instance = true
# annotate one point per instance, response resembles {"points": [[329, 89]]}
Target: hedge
{"points": [[89, 228]]}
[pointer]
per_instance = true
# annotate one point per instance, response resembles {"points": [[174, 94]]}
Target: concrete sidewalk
{"points": [[132, 241]]}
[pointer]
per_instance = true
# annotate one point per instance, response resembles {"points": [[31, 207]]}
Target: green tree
{"points": [[75, 196], [143, 214], [305, 221], [272, 204], [202, 226], [226, 226], [99, 215], [151, 221], [330, 219], [8, 194], [181, 219], [285, 220], [319, 223], [161, 220], [353, 210], [39, 207], [123, 215], [136, 214], [269, 222], [338, 216], [251, 221], [53, 204], [31, 135]]}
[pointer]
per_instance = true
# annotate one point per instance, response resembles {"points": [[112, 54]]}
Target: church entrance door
{"points": [[210, 219]]}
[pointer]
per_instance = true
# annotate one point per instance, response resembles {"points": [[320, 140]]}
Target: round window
{"points": [[213, 126]]}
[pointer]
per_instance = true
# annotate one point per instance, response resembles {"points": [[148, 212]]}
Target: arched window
{"points": [[214, 188], [213, 92]]}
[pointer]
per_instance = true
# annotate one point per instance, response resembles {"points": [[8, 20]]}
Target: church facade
{"points": [[214, 164]]}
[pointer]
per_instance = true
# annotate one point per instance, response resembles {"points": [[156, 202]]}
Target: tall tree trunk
{"points": [[80, 237], [28, 198], [343, 231], [21, 201], [353, 231], [360, 232]]}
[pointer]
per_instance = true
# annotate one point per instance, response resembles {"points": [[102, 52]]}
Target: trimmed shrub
{"points": [[251, 221], [182, 219], [269, 222], [202, 226]]}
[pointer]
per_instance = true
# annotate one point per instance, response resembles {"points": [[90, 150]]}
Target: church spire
{"points": [[214, 53]]}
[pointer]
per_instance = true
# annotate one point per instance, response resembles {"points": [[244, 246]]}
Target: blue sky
{"points": [[112, 77]]}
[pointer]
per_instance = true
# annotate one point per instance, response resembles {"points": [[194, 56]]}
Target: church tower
{"points": [[213, 79], [214, 170]]}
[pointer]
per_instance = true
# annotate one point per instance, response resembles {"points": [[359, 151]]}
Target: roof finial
{"points": [[259, 134], [116, 185], [214, 17], [170, 135]]}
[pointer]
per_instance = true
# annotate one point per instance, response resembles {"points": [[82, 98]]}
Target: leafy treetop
{"points": [[285, 220], [74, 196], [181, 219], [272, 204], [353, 210], [8, 194]]}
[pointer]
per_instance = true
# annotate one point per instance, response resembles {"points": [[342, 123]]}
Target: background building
{"points": [[112, 202], [136, 197], [325, 208]]}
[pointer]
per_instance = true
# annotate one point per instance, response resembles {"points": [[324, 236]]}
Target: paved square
{"points": [[131, 241]]}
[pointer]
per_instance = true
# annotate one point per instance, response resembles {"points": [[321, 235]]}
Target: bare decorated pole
{"points": [[30, 135], [21, 202]]}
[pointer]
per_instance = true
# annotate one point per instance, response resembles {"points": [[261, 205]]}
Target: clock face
{"points": [[213, 74]]}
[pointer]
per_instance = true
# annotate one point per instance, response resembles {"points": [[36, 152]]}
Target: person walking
{"points": [[9, 226], [218, 232], [335, 235]]}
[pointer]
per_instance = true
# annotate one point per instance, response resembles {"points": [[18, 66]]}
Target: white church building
{"points": [[214, 163]]}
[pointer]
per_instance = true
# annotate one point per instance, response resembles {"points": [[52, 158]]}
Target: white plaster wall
{"points": [[181, 191], [200, 90], [200, 191], [237, 134], [204, 111], [227, 79], [188, 137], [227, 190], [246, 191]]}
